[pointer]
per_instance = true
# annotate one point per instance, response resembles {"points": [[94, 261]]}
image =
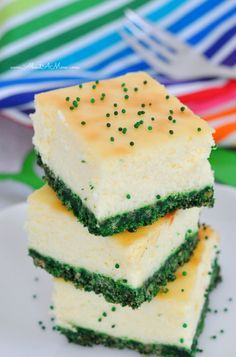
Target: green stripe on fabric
{"points": [[48, 19], [66, 37], [17, 7]]}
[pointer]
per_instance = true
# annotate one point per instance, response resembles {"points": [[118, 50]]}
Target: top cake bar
{"points": [[123, 152]]}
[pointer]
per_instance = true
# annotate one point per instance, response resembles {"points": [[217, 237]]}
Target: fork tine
{"points": [[157, 32], [144, 53], [154, 46]]}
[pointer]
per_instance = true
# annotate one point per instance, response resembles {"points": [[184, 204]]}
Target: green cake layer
{"points": [[130, 220], [118, 291], [87, 337]]}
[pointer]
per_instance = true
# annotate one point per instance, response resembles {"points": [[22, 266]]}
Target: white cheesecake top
{"points": [[123, 115]]}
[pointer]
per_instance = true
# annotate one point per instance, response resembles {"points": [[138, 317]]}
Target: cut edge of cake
{"points": [[118, 291], [129, 220], [89, 337]]}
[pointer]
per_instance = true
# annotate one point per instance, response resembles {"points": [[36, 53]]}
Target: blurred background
{"points": [[188, 45]]}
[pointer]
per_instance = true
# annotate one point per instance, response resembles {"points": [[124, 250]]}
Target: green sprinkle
{"points": [[206, 237], [158, 197], [108, 125], [113, 308], [125, 89], [131, 143], [43, 327], [104, 314], [124, 130], [222, 331], [100, 319], [152, 118], [225, 309], [144, 82], [113, 326], [184, 273], [171, 111], [167, 97], [94, 86], [199, 129], [128, 196], [123, 84], [71, 108], [78, 99], [171, 132], [185, 325], [181, 340], [83, 123], [112, 139], [92, 100], [40, 322], [170, 117], [103, 94], [83, 161], [182, 109], [135, 89], [182, 290], [126, 96], [67, 99], [75, 103], [97, 81], [117, 266], [143, 105], [116, 112], [149, 127], [51, 307], [120, 129], [123, 111], [102, 98], [81, 85], [115, 105], [213, 337], [107, 115], [174, 121]]}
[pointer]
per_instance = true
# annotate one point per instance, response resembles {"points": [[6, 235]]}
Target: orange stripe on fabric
{"points": [[219, 115], [223, 131]]}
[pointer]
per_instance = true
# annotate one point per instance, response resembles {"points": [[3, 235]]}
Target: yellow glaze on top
{"points": [[181, 288], [47, 195], [97, 136]]}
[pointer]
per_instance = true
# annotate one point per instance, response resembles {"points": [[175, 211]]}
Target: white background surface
{"points": [[20, 334]]}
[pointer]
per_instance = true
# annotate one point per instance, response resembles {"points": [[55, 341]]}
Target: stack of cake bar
{"points": [[117, 222]]}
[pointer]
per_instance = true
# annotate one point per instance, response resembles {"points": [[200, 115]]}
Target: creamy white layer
{"points": [[170, 318], [56, 233], [102, 172]]}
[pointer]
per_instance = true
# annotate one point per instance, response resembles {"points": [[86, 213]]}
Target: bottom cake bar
{"points": [[169, 325]]}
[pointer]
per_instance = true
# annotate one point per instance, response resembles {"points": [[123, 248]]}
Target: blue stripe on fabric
{"points": [[165, 10], [114, 38], [116, 56], [209, 28], [220, 42], [193, 15], [16, 81]]}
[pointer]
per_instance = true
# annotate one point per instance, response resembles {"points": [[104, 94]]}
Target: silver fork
{"points": [[168, 55]]}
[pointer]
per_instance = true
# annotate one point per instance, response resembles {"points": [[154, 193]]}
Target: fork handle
{"points": [[222, 71]]}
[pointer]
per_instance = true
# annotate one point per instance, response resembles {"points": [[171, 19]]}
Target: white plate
{"points": [[20, 334]]}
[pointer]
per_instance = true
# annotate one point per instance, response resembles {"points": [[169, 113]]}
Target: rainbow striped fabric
{"points": [[50, 44]]}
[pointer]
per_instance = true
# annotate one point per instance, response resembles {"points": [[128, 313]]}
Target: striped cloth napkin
{"points": [[50, 44]]}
